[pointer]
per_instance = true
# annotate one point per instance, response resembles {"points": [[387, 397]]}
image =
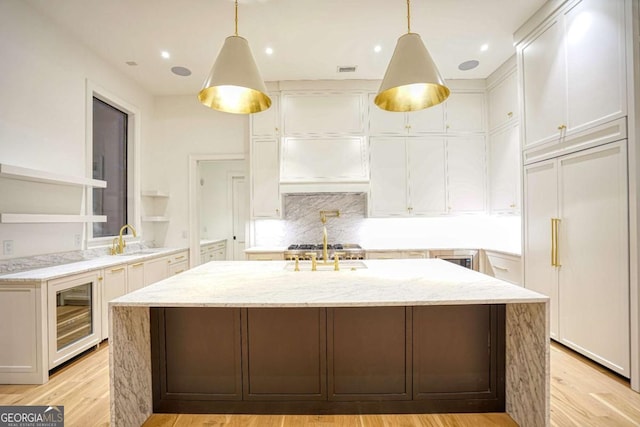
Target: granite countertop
{"points": [[381, 283], [54, 272]]}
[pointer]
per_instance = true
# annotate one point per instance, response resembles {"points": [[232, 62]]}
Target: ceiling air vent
{"points": [[347, 69]]}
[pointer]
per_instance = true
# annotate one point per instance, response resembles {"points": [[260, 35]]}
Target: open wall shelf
{"points": [[35, 175]]}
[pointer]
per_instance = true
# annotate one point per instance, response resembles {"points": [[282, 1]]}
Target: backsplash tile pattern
{"points": [[302, 217]]}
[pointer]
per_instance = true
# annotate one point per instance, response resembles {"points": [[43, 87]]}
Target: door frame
{"points": [[194, 211]]}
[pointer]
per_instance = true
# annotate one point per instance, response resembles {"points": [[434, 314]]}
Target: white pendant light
{"points": [[412, 81], [234, 84]]}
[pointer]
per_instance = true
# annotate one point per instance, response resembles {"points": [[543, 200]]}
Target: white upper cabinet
{"points": [[503, 101], [267, 123], [465, 112], [466, 174], [265, 179], [504, 170], [573, 71], [389, 178], [427, 176], [462, 112], [323, 114], [382, 122]]}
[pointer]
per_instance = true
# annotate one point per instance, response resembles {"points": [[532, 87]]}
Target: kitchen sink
{"points": [[142, 252], [347, 265]]}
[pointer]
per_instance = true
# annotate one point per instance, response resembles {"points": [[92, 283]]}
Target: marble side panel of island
{"points": [[527, 383], [130, 365]]}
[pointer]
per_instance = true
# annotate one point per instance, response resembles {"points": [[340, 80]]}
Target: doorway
{"points": [[218, 204]]}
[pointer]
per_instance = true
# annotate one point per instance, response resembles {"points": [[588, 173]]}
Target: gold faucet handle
{"points": [[336, 260], [314, 260]]}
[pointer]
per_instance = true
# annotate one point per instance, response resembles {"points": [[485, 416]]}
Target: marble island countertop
{"points": [[380, 283]]}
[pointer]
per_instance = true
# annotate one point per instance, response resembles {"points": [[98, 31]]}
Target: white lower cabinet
{"points": [[213, 252], [266, 256], [399, 254], [576, 249], [114, 284], [504, 267], [23, 353], [135, 276]]}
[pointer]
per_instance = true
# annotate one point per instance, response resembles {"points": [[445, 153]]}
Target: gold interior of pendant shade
{"points": [[234, 84], [412, 81]]}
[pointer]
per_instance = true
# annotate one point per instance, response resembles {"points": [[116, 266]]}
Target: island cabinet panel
{"points": [[457, 351], [198, 354], [284, 354], [369, 353]]}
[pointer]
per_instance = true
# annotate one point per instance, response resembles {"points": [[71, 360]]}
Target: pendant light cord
{"points": [[237, 16], [408, 18]]}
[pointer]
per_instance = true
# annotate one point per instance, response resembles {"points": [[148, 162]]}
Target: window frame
{"points": [[133, 162]]}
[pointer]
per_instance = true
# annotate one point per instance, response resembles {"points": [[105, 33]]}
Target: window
{"points": [[110, 163]]}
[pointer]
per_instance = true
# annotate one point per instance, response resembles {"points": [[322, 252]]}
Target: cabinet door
{"points": [[135, 276], [382, 122], [543, 69], [265, 177], [427, 180], [504, 170], [429, 120], [155, 270], [465, 112], [593, 252], [596, 77], [540, 206], [503, 101], [323, 114], [113, 286], [466, 170], [388, 188], [267, 123]]}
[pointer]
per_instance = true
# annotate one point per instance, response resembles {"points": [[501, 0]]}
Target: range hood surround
{"points": [[324, 165]]}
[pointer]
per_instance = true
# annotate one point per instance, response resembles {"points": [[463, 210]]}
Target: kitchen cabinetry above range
{"points": [[462, 112], [265, 178], [427, 176], [323, 113]]}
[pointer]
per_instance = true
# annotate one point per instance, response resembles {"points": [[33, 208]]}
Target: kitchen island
{"points": [[378, 336]]}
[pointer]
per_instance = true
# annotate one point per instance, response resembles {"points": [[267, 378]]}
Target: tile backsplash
{"points": [[302, 217], [301, 224]]}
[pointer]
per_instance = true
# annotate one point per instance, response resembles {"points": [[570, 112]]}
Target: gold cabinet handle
{"points": [[100, 278], [497, 267], [115, 270], [180, 257], [139, 264], [510, 114], [562, 127], [512, 205], [555, 222]]}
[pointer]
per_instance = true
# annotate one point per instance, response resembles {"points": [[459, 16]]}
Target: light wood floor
{"points": [[583, 394]]}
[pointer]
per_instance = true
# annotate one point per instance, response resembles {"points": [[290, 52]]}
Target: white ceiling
{"points": [[310, 38]]}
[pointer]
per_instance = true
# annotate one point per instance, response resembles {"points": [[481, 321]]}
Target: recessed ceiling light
{"points": [[484, 47], [468, 65], [165, 54], [181, 71], [377, 48], [268, 51]]}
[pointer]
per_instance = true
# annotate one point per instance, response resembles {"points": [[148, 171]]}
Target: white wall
{"points": [[182, 126], [43, 75]]}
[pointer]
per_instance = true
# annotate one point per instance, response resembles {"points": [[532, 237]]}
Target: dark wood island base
{"points": [[314, 360]]}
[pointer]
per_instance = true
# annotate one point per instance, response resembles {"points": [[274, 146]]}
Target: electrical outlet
{"points": [[7, 247], [77, 240]]}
